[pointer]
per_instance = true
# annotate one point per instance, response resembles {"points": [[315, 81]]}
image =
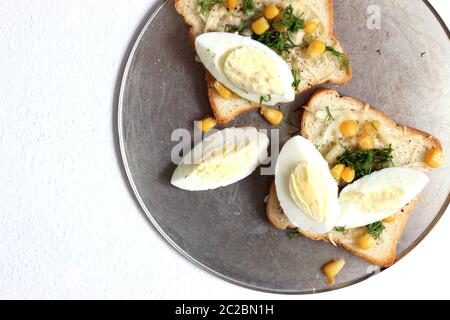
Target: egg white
{"points": [[296, 150], [213, 47], [185, 177], [410, 181]]}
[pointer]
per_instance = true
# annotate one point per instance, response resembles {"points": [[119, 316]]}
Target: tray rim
{"points": [[129, 56]]}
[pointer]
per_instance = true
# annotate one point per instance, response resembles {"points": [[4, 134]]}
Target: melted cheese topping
{"points": [[331, 143]]}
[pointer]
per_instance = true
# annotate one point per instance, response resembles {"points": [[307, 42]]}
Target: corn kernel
{"points": [[274, 117], [337, 171], [376, 124], [366, 242], [349, 128], [369, 128], [311, 26], [390, 219], [434, 158], [348, 175], [231, 4], [271, 12], [207, 124], [332, 269], [316, 48], [260, 26], [366, 142], [223, 91]]}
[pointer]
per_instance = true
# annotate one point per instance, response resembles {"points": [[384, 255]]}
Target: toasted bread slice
{"points": [[409, 149], [326, 68]]}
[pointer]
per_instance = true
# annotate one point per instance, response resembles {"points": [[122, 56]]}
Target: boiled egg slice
{"points": [[247, 67], [221, 159], [379, 195], [307, 192]]}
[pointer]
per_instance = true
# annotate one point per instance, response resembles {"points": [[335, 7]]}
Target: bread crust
{"points": [[214, 100]]}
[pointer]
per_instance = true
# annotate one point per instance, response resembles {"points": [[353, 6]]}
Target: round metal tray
{"points": [[402, 68]]}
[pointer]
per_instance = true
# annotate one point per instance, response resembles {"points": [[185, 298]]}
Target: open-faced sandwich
{"points": [[352, 177], [262, 52]]}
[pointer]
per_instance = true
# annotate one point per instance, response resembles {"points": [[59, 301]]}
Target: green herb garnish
{"points": [[340, 229], [375, 229], [249, 6], [289, 21], [343, 60], [293, 234], [265, 98], [280, 42], [329, 117], [296, 75], [278, 37], [206, 5], [241, 28], [367, 161]]}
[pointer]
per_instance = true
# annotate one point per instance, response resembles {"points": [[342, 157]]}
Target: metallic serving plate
{"points": [[403, 68]]}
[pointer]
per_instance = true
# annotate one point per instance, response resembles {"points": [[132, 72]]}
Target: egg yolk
{"points": [[225, 161], [306, 186], [377, 200], [253, 71]]}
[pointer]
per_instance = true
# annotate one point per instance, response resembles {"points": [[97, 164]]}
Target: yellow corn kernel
{"points": [[390, 219], [348, 175], [366, 142], [434, 158], [316, 48], [207, 124], [271, 12], [231, 4], [376, 124], [366, 242], [223, 91], [260, 26], [369, 128], [349, 128], [311, 26], [337, 170], [274, 117], [332, 269]]}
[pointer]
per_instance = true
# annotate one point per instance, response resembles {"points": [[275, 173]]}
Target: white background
{"points": [[69, 226]]}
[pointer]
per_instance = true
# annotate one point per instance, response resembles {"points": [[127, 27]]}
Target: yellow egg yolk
{"points": [[306, 186], [253, 71], [225, 161], [377, 200]]}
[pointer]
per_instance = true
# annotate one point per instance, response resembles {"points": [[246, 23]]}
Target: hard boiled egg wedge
{"points": [[247, 67], [379, 195], [307, 192], [221, 159]]}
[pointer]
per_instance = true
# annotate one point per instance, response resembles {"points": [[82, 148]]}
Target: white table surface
{"points": [[69, 226]]}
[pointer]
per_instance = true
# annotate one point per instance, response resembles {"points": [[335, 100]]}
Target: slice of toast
{"points": [[409, 149], [312, 71]]}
